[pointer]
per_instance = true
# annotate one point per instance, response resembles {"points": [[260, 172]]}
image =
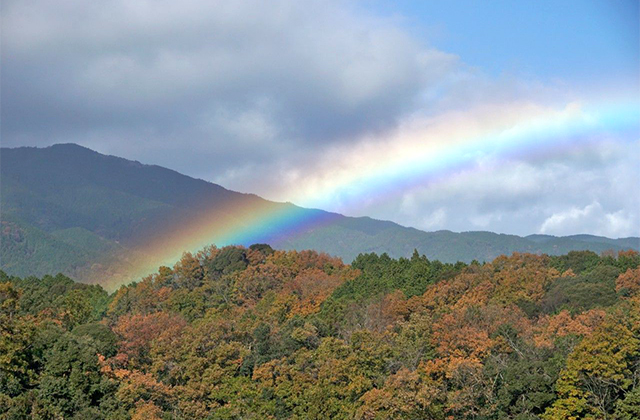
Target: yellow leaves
{"points": [[223, 361], [138, 388], [606, 353], [304, 333], [9, 297], [570, 408], [597, 371], [404, 395]]}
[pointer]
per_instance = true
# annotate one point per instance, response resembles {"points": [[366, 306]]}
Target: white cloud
{"points": [[575, 219]]}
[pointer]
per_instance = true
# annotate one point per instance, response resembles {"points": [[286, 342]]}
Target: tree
{"points": [[71, 383], [598, 373], [628, 283], [137, 332]]}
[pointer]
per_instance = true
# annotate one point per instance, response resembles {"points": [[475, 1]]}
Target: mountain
{"points": [[69, 209]]}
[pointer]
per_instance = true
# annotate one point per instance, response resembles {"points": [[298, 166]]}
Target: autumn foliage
{"points": [[255, 333]]}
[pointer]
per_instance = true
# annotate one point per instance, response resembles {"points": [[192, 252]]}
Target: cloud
{"points": [[308, 102], [593, 192], [128, 77], [566, 222]]}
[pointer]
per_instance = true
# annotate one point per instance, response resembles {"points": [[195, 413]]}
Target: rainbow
{"points": [[409, 160], [418, 162]]}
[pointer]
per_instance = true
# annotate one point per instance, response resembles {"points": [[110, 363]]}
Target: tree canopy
{"points": [[257, 333]]}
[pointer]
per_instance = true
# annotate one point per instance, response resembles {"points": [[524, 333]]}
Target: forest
{"points": [[256, 333]]}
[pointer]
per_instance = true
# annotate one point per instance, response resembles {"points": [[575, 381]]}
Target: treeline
{"points": [[253, 333]]}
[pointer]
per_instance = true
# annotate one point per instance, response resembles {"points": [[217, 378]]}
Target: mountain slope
{"points": [[67, 208]]}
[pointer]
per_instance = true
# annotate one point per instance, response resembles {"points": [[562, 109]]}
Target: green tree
{"points": [[599, 372]]}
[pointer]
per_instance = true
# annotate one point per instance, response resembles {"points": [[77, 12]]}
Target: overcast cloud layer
{"points": [[259, 96]]}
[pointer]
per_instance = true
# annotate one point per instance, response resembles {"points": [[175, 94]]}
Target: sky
{"points": [[513, 117]]}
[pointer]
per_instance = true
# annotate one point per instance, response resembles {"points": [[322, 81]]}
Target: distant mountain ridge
{"points": [[69, 209]]}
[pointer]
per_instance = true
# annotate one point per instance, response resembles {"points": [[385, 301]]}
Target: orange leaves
{"points": [[628, 283], [464, 287], [387, 312], [147, 411], [455, 337], [188, 272], [138, 331], [145, 297], [301, 282], [471, 333], [507, 280], [522, 277], [311, 287], [252, 283], [562, 324]]}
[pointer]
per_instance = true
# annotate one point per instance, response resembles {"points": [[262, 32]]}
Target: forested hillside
{"points": [[253, 333], [68, 209]]}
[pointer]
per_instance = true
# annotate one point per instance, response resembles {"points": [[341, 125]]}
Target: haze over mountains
{"points": [[68, 209]]}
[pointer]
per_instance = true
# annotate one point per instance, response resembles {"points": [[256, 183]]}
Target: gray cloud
{"points": [[229, 78]]}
